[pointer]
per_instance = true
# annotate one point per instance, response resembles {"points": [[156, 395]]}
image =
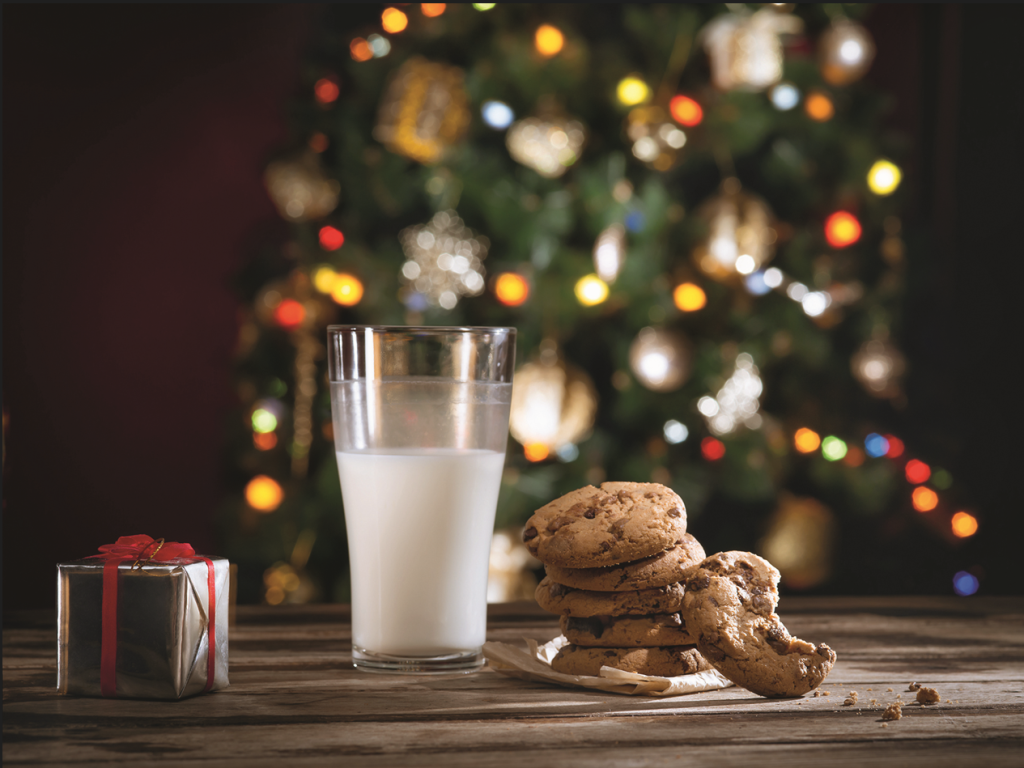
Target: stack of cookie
{"points": [[615, 558]]}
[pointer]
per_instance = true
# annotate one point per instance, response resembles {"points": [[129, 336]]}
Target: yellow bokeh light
{"points": [[924, 499], [324, 279], [548, 40], [884, 177], [511, 289], [689, 297], [591, 290], [264, 494], [393, 20], [536, 451], [632, 91], [432, 9], [819, 107], [964, 525], [806, 440], [346, 290]]}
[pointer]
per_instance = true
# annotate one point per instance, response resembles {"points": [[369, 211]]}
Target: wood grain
{"points": [[295, 700]]}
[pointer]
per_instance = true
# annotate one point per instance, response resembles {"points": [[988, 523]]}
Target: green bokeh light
{"points": [[941, 479], [263, 421], [832, 448]]}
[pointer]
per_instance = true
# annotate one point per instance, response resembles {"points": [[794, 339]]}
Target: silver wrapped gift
{"points": [[162, 628]]}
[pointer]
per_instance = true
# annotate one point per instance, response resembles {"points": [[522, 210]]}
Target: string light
{"points": [[895, 447], [536, 452], [917, 472], [331, 238], [548, 40], [736, 402], [319, 142], [842, 229], [591, 290], [924, 499], [832, 448], [964, 525], [264, 441], [941, 479], [854, 456], [511, 289], [289, 314], [346, 290], [264, 494], [712, 449], [263, 421], [675, 432], [430, 10], [484, 6], [965, 584], [632, 91], [326, 90], [806, 440], [686, 111], [323, 278], [819, 107], [755, 284], [689, 297], [497, 114], [379, 45], [393, 20], [784, 96], [875, 445], [884, 177], [360, 49]]}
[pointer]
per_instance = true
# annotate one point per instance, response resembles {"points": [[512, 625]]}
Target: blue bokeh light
{"points": [[785, 96], [965, 584], [635, 221], [497, 114], [875, 445], [417, 302], [755, 283]]}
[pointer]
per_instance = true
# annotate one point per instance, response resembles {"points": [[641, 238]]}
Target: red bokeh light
{"points": [[331, 239], [917, 471], [895, 447], [318, 142], [842, 229], [686, 111], [326, 90], [712, 449], [289, 314]]}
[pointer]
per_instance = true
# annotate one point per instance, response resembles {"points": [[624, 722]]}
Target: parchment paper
{"points": [[536, 665]]}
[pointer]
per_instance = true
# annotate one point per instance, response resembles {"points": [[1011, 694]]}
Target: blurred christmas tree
{"points": [[690, 214]]}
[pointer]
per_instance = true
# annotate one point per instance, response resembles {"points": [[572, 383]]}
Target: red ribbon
{"points": [[142, 550]]}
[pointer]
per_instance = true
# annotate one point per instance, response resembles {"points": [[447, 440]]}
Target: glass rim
{"points": [[439, 329]]}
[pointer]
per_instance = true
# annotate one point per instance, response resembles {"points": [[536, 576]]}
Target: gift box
{"points": [[144, 619]]}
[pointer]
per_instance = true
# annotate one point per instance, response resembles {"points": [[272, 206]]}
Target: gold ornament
{"points": [[740, 240], [800, 541], [424, 111], [548, 145], [657, 140], [878, 365], [736, 403], [610, 252], [553, 403], [300, 189], [660, 359], [745, 50], [845, 51], [444, 260]]}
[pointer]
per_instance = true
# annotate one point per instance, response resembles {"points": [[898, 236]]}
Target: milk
{"points": [[419, 524]]}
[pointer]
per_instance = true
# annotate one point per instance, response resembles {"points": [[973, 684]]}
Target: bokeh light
{"points": [[784, 96], [497, 114], [832, 448], [964, 525], [965, 584], [326, 90], [819, 107], [875, 445], [319, 142], [842, 229], [263, 421], [675, 432], [360, 49], [686, 111], [896, 447], [379, 45], [548, 40], [591, 290], [264, 441], [854, 456], [536, 451], [712, 449], [484, 6], [632, 91], [756, 284], [431, 10], [323, 278], [289, 314], [917, 472], [393, 20], [884, 177], [347, 290], [773, 277], [941, 479], [264, 494], [331, 238], [924, 499], [806, 440], [511, 289], [689, 297]]}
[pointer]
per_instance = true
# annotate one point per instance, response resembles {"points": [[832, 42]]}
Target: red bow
{"points": [[143, 549]]}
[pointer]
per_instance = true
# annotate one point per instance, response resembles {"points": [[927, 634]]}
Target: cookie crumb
{"points": [[874, 702], [889, 690], [928, 696], [848, 702], [899, 695], [825, 693], [914, 687], [817, 694], [871, 689], [893, 712], [885, 725]]}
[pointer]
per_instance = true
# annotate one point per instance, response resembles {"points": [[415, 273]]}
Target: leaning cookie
{"points": [[729, 606], [556, 598], [664, 662], [616, 523], [667, 567], [627, 631]]}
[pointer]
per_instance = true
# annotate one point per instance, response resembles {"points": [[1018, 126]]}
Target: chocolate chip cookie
{"points": [[667, 567], [666, 662], [557, 598], [627, 631], [729, 606], [616, 523]]}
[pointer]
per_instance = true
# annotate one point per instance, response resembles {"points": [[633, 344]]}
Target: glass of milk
{"points": [[420, 428]]}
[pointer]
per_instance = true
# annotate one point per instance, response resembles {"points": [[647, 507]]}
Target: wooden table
{"points": [[295, 700]]}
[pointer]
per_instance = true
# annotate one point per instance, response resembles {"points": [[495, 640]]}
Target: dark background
{"points": [[134, 140]]}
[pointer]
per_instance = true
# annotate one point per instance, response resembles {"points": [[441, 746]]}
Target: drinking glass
{"points": [[420, 428]]}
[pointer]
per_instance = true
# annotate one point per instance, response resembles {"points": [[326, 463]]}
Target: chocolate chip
{"points": [[591, 626], [699, 583], [762, 605], [649, 495], [714, 602], [529, 533], [561, 522], [606, 546], [617, 526], [824, 650], [675, 512], [590, 514], [558, 590]]}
